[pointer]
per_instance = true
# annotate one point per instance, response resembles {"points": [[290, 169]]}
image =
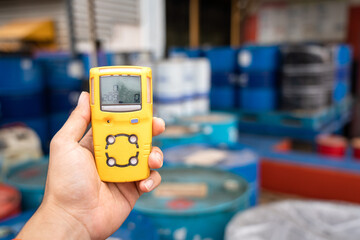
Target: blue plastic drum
{"points": [[29, 179], [237, 159], [56, 121], [194, 202], [258, 99], [22, 105], [176, 135], [222, 97], [256, 58], [136, 226], [63, 100], [21, 76], [61, 71], [222, 59], [219, 128]]}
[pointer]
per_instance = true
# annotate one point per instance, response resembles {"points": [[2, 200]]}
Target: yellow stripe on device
{"points": [[121, 117]]}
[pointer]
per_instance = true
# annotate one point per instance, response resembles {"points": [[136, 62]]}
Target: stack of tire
{"points": [[259, 67], [223, 77], [307, 77], [22, 93]]}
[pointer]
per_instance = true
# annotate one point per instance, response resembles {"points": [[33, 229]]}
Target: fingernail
{"points": [[157, 156], [81, 98], [149, 184]]}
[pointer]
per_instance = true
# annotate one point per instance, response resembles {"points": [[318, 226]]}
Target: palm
{"points": [[107, 204], [74, 184]]}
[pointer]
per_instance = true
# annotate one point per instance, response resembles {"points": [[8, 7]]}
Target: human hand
{"points": [[77, 204]]}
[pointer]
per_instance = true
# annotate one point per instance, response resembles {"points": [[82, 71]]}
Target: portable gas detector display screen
{"points": [[120, 90]]}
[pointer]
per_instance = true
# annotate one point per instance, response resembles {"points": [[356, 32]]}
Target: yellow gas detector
{"points": [[121, 116]]}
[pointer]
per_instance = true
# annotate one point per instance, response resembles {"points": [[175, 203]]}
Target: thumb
{"points": [[77, 123]]}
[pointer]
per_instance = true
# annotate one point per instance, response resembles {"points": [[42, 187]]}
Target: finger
{"points": [[87, 141], [158, 126], [151, 182], [156, 158], [76, 125]]}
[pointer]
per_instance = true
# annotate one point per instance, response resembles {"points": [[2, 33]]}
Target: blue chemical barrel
{"points": [[218, 128], [61, 71], [223, 79], [23, 105], [343, 55], [29, 179], [222, 59], [21, 76], [62, 100], [237, 159], [194, 202], [258, 80], [56, 121], [136, 226], [222, 97], [255, 58], [258, 99], [176, 135]]}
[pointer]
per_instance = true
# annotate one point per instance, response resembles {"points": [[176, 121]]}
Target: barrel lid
{"points": [[194, 190], [179, 131], [208, 155], [29, 176], [212, 118]]}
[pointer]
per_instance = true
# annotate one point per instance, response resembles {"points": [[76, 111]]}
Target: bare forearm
{"points": [[51, 223]]}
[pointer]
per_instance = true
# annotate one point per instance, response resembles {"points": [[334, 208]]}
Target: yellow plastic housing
{"points": [[120, 124]]}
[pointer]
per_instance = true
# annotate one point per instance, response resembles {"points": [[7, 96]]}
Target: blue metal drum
{"points": [[258, 99], [222, 97], [194, 202], [176, 135], [29, 179], [237, 159], [256, 58], [22, 75], [22, 105], [61, 71], [219, 128], [62, 100], [136, 226], [222, 59]]}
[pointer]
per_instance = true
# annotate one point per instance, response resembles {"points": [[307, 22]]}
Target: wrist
{"points": [[52, 222]]}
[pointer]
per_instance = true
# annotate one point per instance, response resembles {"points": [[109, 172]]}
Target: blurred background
{"points": [[261, 99]]}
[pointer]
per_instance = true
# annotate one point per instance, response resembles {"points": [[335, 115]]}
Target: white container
{"points": [[168, 80], [169, 111], [202, 75], [201, 105]]}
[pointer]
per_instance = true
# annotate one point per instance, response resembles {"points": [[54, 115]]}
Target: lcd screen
{"points": [[120, 90]]}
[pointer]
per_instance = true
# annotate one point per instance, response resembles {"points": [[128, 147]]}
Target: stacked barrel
{"points": [[307, 77], [63, 76], [223, 77], [342, 55], [22, 93], [181, 87], [259, 68]]}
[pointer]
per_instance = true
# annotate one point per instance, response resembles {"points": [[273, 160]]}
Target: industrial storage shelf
{"points": [[303, 173], [314, 120]]}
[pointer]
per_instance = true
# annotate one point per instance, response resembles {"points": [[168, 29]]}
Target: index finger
{"points": [[158, 126]]}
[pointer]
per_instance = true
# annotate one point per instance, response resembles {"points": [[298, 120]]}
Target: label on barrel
{"points": [[181, 190], [208, 157]]}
